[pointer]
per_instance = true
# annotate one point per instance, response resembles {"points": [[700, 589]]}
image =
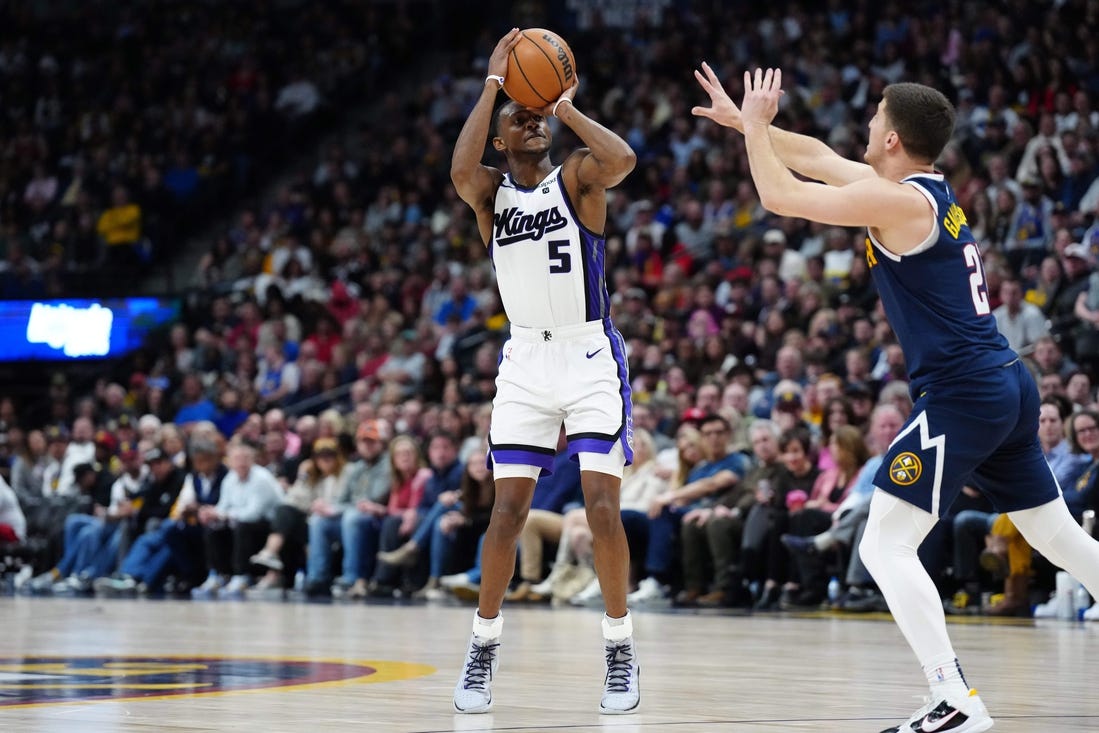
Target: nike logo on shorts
{"points": [[590, 354]]}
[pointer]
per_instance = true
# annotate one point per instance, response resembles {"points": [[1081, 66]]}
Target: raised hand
{"points": [[569, 94], [761, 95], [722, 109], [498, 61]]}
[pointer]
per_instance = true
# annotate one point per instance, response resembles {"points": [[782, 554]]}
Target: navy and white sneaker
{"points": [[621, 687], [941, 715], [473, 693]]}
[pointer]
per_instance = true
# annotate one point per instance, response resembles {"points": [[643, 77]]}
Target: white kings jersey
{"points": [[549, 267]]}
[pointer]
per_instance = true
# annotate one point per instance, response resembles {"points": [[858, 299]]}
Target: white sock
{"points": [[944, 676], [488, 628], [617, 629], [824, 541]]}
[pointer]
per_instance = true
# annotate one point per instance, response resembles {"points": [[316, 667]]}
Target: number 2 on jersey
{"points": [[560, 260], [977, 288]]}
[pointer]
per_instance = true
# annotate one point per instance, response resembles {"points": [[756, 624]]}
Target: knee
{"points": [[351, 519], [960, 525], [509, 518], [603, 515], [973, 522], [690, 531], [316, 525], [868, 551], [720, 528], [282, 512]]}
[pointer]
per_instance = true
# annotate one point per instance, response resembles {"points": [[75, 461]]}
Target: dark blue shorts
{"points": [[982, 432]]}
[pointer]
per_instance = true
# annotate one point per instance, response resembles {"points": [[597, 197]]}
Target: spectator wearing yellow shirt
{"points": [[120, 229]]}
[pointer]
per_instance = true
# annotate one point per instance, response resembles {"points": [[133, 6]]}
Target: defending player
{"points": [[975, 417]]}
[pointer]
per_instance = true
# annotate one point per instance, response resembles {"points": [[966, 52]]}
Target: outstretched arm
{"points": [[808, 156], [476, 183], [898, 211]]}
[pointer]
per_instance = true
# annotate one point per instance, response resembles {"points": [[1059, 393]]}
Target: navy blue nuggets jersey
{"points": [[935, 296], [549, 266], [975, 417]]}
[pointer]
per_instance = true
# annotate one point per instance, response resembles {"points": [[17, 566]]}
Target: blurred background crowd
{"points": [[288, 165]]}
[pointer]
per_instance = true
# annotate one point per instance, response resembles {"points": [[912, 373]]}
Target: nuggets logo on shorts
{"points": [[906, 469]]}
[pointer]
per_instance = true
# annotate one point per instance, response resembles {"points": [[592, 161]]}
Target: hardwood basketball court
{"points": [[254, 666]]}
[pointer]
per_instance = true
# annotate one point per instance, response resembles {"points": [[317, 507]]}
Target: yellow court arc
{"points": [[60, 680]]}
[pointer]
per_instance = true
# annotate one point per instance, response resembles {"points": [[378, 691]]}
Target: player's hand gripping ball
{"points": [[540, 68]]}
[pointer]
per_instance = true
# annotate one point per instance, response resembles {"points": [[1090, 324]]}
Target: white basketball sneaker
{"points": [[591, 594], [1049, 609], [621, 686], [473, 693], [943, 715]]}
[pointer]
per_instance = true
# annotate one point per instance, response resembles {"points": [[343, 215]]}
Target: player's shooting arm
{"points": [[608, 158], [474, 182]]}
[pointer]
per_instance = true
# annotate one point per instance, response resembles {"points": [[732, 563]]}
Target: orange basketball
{"points": [[540, 67]]}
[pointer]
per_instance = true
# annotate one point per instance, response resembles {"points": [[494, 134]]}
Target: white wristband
{"points": [[558, 104], [498, 79]]}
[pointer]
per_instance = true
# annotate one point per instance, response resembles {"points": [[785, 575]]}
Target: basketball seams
{"points": [[552, 62], [526, 78]]}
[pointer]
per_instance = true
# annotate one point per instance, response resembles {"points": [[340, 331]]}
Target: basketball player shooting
{"points": [[564, 362], [975, 418]]}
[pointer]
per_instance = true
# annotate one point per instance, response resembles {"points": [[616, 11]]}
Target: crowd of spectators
{"points": [[363, 295], [125, 128]]}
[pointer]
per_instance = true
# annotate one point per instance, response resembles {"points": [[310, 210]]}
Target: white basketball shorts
{"points": [[576, 375]]}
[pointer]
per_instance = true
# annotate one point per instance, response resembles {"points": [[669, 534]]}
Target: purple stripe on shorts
{"points": [[524, 458], [590, 445], [618, 349]]}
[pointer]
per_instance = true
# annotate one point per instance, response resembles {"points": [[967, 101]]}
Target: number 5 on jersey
{"points": [[977, 288], [560, 260]]}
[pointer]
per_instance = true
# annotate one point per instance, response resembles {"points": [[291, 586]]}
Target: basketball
{"points": [[540, 68]]}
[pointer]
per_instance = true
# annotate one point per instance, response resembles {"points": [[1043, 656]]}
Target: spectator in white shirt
{"points": [[1020, 322], [791, 262], [1047, 137], [240, 522], [81, 449]]}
